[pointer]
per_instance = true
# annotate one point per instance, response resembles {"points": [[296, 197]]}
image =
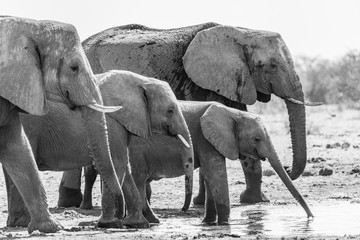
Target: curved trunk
{"points": [[276, 164], [297, 120], [97, 137]]}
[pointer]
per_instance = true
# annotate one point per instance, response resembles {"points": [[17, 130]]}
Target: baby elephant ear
{"points": [[219, 128], [21, 78], [126, 89], [217, 59]]}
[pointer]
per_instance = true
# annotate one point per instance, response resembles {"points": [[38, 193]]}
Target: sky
{"points": [[315, 28]]}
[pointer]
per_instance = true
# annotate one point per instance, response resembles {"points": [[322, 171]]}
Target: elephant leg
{"points": [[148, 192], [18, 214], [217, 190], [210, 208], [146, 209], [134, 203], [111, 215], [253, 174], [70, 189], [200, 198], [19, 163], [90, 174]]}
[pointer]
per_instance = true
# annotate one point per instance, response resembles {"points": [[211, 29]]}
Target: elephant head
{"points": [[245, 65], [44, 60], [237, 134], [148, 105]]}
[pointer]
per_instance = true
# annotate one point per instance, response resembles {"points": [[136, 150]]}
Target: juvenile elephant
{"points": [[211, 62], [148, 106], [41, 62], [217, 132]]}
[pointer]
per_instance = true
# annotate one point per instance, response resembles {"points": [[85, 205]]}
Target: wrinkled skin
{"points": [[148, 105], [211, 62], [218, 132], [42, 61]]}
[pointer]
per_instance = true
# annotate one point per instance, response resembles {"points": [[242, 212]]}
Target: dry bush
{"points": [[331, 82]]}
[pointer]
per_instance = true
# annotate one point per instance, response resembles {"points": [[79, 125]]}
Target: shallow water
{"points": [[276, 220]]}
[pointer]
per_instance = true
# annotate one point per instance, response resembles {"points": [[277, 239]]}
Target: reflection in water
{"points": [[256, 221], [277, 220]]}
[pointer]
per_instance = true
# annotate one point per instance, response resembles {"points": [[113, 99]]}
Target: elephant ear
{"points": [[124, 89], [218, 127], [21, 78], [217, 60]]}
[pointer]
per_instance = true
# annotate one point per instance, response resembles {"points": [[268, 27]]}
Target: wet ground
{"points": [[340, 218], [333, 145]]}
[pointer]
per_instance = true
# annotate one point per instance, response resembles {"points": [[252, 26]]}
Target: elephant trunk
{"points": [[189, 171], [97, 137], [297, 120], [276, 164], [188, 163]]}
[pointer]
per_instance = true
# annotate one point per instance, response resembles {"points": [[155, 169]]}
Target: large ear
{"points": [[21, 78], [219, 127], [217, 59], [120, 88]]}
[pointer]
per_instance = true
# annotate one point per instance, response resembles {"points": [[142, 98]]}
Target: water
{"points": [[276, 220], [331, 219]]}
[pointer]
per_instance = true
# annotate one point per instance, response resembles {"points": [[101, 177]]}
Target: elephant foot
{"points": [[223, 212], [224, 222], [199, 200], [69, 197], [151, 217], [18, 220], [136, 221], [251, 197], [86, 205], [209, 219], [49, 225], [113, 223]]}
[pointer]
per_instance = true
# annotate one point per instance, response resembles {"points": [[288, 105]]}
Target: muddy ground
{"points": [[333, 150]]}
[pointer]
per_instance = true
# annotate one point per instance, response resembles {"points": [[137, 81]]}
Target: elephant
{"points": [[217, 132], [212, 62], [43, 62], [148, 106]]}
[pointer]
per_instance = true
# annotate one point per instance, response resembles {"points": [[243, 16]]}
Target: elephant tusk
{"points": [[305, 103], [104, 109], [183, 140]]}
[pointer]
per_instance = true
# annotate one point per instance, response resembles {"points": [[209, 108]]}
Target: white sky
{"points": [[323, 28]]}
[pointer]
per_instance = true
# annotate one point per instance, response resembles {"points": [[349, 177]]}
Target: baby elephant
{"points": [[218, 132]]}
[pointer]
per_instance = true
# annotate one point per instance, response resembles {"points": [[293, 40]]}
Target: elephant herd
{"points": [[161, 102]]}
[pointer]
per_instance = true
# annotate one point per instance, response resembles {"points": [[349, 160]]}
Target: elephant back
{"points": [[151, 52]]}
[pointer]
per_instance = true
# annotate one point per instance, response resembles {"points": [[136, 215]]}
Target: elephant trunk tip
{"points": [[295, 173]]}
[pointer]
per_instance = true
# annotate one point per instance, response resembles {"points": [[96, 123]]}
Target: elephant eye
{"points": [[74, 68], [273, 66], [170, 112]]}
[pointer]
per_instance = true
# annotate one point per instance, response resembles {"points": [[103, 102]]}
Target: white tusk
{"points": [[183, 140], [305, 103], [104, 109]]}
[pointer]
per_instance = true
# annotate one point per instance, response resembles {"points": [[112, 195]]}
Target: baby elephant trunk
{"points": [[276, 164], [188, 163]]}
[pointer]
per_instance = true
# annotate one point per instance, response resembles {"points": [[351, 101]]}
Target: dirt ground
{"points": [[333, 149]]}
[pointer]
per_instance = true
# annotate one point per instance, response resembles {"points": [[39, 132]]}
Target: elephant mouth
{"points": [[254, 155], [178, 136]]}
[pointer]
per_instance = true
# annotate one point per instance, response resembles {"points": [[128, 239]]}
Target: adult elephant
{"points": [[211, 62], [218, 132], [40, 62], [148, 106]]}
